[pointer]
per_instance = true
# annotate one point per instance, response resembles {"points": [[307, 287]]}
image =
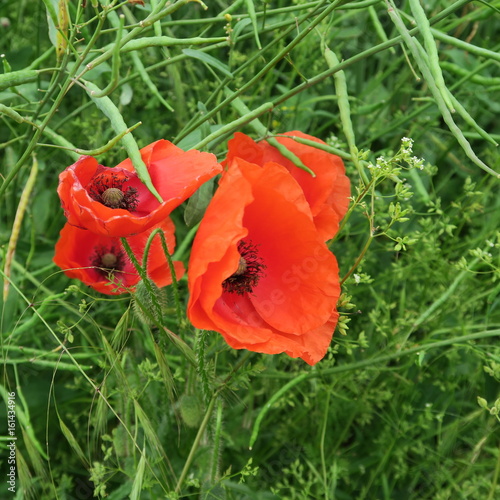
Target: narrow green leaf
{"points": [[198, 203], [208, 59], [135, 494]]}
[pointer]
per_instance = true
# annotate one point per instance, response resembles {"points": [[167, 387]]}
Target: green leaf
{"points": [[208, 59], [139, 477], [198, 203]]}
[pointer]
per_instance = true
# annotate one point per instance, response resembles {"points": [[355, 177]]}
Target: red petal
{"points": [[327, 193]]}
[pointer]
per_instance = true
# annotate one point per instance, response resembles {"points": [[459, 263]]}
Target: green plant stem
{"points": [[437, 91], [363, 55], [359, 259], [196, 443]]}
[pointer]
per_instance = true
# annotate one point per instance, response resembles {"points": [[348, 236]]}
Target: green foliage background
{"points": [[405, 405]]}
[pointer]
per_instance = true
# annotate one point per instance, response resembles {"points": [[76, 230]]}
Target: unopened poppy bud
{"points": [[149, 301], [191, 410], [112, 197]]}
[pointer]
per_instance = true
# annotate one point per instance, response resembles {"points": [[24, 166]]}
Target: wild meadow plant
{"points": [[250, 249]]}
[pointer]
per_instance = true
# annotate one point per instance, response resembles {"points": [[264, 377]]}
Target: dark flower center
{"points": [[108, 260], [107, 188], [250, 270]]}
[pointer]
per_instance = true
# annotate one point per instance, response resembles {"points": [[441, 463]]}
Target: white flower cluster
{"points": [[407, 150], [406, 146]]}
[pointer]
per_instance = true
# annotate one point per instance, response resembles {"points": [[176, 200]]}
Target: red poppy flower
{"points": [[114, 202], [260, 272], [327, 193], [102, 263]]}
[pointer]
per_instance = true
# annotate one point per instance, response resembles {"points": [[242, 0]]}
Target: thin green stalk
{"points": [[186, 242], [116, 21], [268, 67], [234, 125], [318, 145], [196, 443], [62, 92], [359, 259], [155, 16], [64, 144], [322, 445], [115, 62], [141, 270], [261, 129], [363, 55], [166, 252]]}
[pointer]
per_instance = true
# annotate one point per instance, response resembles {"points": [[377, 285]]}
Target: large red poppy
{"points": [[260, 272], [102, 263], [327, 193], [114, 202]]}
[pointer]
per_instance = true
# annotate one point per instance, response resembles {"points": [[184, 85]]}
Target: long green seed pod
{"points": [[15, 78], [345, 111], [16, 228]]}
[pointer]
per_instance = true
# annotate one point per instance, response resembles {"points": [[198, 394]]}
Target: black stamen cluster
{"points": [[244, 282], [101, 261]]}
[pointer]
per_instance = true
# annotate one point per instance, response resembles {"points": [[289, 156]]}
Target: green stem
{"points": [[196, 443]]}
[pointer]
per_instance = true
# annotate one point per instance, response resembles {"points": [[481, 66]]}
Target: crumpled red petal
{"points": [[327, 193]]}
